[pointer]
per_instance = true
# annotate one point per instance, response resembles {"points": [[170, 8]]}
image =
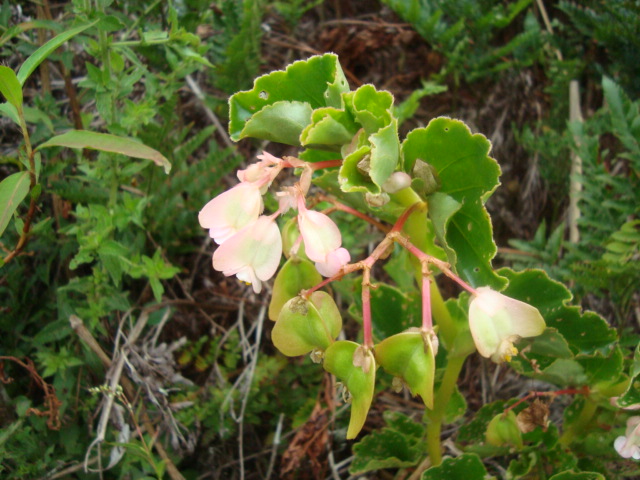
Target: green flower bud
{"points": [[355, 366], [304, 325], [296, 274], [290, 234], [503, 430], [410, 356], [425, 178]]}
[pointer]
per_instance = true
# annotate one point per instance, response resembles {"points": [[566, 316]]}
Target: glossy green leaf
{"points": [[107, 143], [10, 87], [330, 128], [282, 122], [37, 57], [353, 176], [458, 156], [304, 325], [467, 466], [296, 274], [441, 208], [385, 153], [317, 82], [355, 367], [386, 448], [410, 356], [371, 108], [13, 191]]}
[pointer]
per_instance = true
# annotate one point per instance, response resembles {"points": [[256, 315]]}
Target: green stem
{"points": [[580, 424], [442, 398]]}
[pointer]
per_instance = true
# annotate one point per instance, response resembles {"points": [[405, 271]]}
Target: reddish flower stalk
{"points": [[565, 391], [345, 208]]}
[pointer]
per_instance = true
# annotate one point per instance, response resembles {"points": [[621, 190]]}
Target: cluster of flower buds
{"points": [[250, 242]]}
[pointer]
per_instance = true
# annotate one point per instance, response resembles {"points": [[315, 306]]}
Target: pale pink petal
{"points": [[253, 254], [231, 211], [397, 181], [319, 233], [335, 261]]}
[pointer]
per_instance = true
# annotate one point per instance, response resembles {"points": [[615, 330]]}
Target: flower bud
{"points": [[296, 274], [425, 178], [410, 356], [503, 430], [497, 321], [306, 324], [355, 366]]}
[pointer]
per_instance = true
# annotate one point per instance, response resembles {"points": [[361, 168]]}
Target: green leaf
{"points": [[469, 176], [385, 448], [385, 153], [371, 108], [10, 87], [571, 475], [456, 407], [37, 57], [473, 432], [632, 395], [10, 111], [442, 208], [13, 190], [467, 466], [406, 109], [317, 81], [330, 128], [107, 143], [282, 122]]}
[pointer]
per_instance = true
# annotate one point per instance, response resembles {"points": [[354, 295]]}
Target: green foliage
{"points": [[464, 32]]}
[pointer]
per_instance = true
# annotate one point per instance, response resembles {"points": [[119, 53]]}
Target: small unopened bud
{"points": [[397, 181], [425, 178]]}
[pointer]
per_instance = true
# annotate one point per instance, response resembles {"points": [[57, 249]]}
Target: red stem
{"points": [[325, 164], [565, 391]]}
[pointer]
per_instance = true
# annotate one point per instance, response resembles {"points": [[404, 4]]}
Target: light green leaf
{"points": [[37, 57], [318, 82], [10, 87], [282, 122], [10, 111], [385, 153], [107, 143], [371, 108], [469, 176], [386, 448], [13, 190], [467, 466], [330, 128], [442, 208]]}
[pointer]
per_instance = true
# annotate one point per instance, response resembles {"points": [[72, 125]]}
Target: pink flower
{"points": [[231, 211], [253, 254], [263, 172], [497, 321], [628, 446], [322, 240]]}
